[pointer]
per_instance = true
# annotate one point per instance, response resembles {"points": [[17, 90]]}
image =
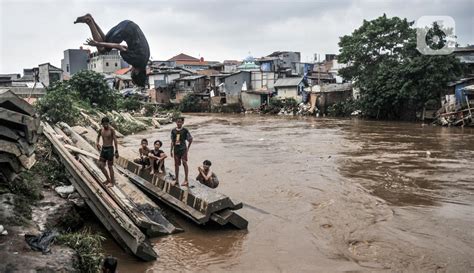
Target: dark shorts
{"points": [[145, 161], [107, 154], [212, 183], [180, 156]]}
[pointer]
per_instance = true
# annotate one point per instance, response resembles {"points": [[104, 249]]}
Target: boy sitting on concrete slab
{"points": [[206, 176], [143, 151], [157, 158]]}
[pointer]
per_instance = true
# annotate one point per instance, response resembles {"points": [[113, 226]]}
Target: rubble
{"points": [[64, 191], [19, 133]]}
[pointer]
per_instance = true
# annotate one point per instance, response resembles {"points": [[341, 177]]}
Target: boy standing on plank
{"points": [[109, 140]]}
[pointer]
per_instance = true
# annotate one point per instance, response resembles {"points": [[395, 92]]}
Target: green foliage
{"points": [[174, 114], [190, 103], [57, 104], [343, 108], [389, 71], [131, 103], [88, 247], [150, 109], [125, 126], [276, 104], [27, 189], [227, 108], [92, 87]]}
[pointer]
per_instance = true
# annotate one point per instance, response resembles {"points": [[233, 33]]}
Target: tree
{"points": [[391, 74], [92, 87]]}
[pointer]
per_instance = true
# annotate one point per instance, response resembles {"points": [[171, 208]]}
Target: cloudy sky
{"points": [[34, 32]]}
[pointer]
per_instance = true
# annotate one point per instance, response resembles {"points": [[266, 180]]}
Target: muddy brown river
{"points": [[325, 195]]}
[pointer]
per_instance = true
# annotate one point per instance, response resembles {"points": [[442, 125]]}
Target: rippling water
{"points": [[326, 195]]}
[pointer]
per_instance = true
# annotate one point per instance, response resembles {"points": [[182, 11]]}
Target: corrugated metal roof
{"points": [[190, 78], [288, 82]]}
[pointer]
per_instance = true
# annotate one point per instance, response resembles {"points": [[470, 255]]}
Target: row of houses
{"points": [[250, 82]]}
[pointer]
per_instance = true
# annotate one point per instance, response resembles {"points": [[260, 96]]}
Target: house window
{"points": [[67, 68], [116, 64], [189, 83], [107, 64], [94, 66], [235, 82]]}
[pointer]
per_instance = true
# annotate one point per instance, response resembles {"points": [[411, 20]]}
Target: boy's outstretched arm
{"points": [[106, 45]]}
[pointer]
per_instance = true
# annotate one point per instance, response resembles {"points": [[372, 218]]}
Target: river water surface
{"points": [[325, 195]]}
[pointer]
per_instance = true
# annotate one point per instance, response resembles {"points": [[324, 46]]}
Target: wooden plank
{"points": [[126, 196], [105, 208]]}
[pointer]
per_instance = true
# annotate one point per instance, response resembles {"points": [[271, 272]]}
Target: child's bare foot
{"points": [[185, 183], [152, 171], [174, 182], [84, 19], [160, 171]]}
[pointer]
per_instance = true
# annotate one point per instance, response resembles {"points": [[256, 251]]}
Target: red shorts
{"points": [[178, 157]]}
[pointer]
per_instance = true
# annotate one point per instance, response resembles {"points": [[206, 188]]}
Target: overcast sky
{"points": [[34, 32]]}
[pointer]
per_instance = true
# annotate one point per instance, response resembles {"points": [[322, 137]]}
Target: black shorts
{"points": [[107, 154], [145, 161]]}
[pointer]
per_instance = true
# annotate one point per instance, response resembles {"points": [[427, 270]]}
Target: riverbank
{"points": [[41, 200]]}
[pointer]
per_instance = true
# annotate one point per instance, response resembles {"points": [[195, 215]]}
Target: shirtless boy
{"points": [[109, 141]]}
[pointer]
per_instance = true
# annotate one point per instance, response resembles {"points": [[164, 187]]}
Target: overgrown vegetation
{"points": [[28, 185], [150, 109], [389, 71], [227, 108], [92, 88], [88, 247], [85, 90], [58, 104], [343, 108], [191, 103], [276, 105], [131, 103]]}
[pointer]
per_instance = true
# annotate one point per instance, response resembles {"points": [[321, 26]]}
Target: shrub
{"points": [[131, 103], [343, 108], [57, 104], [88, 247], [150, 109], [190, 103], [276, 104], [92, 87]]}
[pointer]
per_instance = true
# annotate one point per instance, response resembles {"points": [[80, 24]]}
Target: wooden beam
{"points": [[107, 211]]}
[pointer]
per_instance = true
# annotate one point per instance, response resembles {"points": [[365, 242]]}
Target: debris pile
{"points": [[457, 109], [124, 123], [19, 130]]}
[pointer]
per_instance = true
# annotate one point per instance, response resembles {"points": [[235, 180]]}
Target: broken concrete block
{"points": [[64, 191]]}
